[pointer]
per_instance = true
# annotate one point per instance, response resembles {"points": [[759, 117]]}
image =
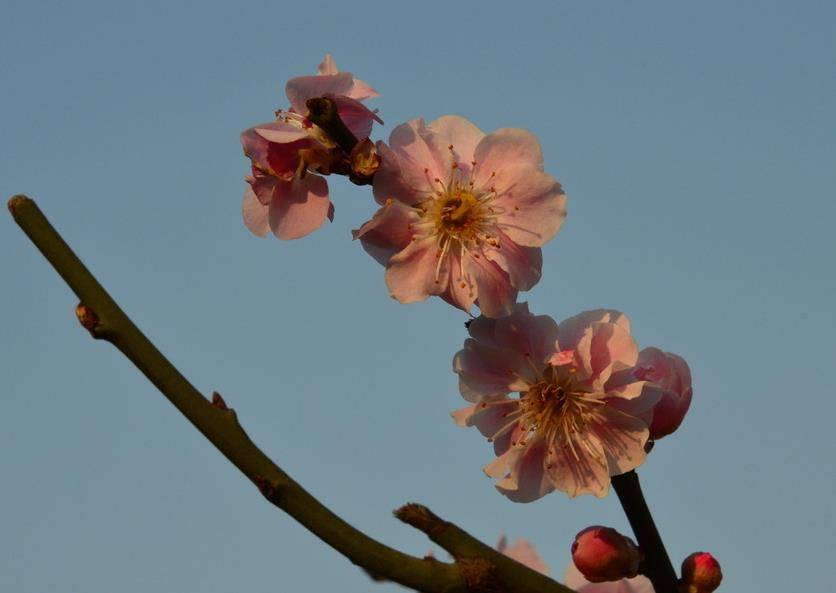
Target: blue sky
{"points": [[695, 141]]}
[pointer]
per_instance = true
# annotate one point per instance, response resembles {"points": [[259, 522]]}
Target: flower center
{"points": [[554, 407]]}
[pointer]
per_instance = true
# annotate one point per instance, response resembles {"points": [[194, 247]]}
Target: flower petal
{"points": [[411, 275], [422, 156], [255, 213], [531, 205], [486, 372], [462, 135], [495, 295], [622, 438], [522, 264], [506, 147], [388, 232], [527, 480], [461, 288], [579, 469], [357, 117], [302, 88], [299, 206], [389, 183], [573, 328]]}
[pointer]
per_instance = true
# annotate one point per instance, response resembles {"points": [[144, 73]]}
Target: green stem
{"points": [[100, 314], [657, 564]]}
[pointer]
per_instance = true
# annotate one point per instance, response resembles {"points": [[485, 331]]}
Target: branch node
{"points": [[271, 491], [421, 518], [89, 320], [218, 402], [480, 576]]}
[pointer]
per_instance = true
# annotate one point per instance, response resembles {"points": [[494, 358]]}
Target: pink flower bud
{"points": [[701, 573], [672, 378], [603, 554]]}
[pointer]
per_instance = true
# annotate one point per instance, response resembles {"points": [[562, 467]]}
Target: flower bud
{"points": [[603, 554], [701, 573], [364, 159], [672, 378]]}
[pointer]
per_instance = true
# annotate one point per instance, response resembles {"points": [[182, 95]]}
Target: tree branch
{"points": [[104, 319], [657, 563]]}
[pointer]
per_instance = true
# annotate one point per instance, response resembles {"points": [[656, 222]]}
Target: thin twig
{"points": [[104, 319]]}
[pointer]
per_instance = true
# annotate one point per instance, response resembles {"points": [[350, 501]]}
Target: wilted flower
{"points": [[574, 423], [523, 552], [701, 573], [463, 214], [672, 378], [603, 554], [286, 195], [576, 581]]}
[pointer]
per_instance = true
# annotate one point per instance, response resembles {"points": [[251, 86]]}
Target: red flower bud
{"points": [[603, 554], [701, 573]]}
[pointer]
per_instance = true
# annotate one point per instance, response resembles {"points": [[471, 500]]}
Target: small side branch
{"points": [[480, 563], [104, 319]]}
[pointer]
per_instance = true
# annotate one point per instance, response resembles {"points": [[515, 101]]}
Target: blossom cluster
{"points": [[463, 215]]}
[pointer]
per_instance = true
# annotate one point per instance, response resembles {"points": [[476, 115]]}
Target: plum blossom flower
{"points": [[575, 580], [463, 214], [576, 419], [523, 552], [285, 193], [672, 378]]}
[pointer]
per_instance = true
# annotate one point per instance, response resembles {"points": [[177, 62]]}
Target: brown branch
{"points": [[104, 319], [478, 561]]}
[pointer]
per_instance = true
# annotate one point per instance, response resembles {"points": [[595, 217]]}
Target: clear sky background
{"points": [[695, 141]]}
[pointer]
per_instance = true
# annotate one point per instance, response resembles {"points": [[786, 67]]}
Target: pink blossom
{"points": [[523, 552], [603, 554], [576, 420], [463, 214], [672, 379], [575, 580], [285, 193]]}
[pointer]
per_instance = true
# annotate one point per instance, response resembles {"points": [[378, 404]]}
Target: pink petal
{"points": [[524, 553], [281, 132], [389, 184], [531, 204], [255, 214], [622, 438], [522, 264], [486, 372], [361, 90], [302, 88], [461, 288], [462, 134], [506, 147], [527, 480], [299, 206], [495, 295], [562, 358], [573, 328], [356, 116], [579, 469], [532, 336], [411, 275], [422, 156], [327, 66], [388, 232], [604, 348]]}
